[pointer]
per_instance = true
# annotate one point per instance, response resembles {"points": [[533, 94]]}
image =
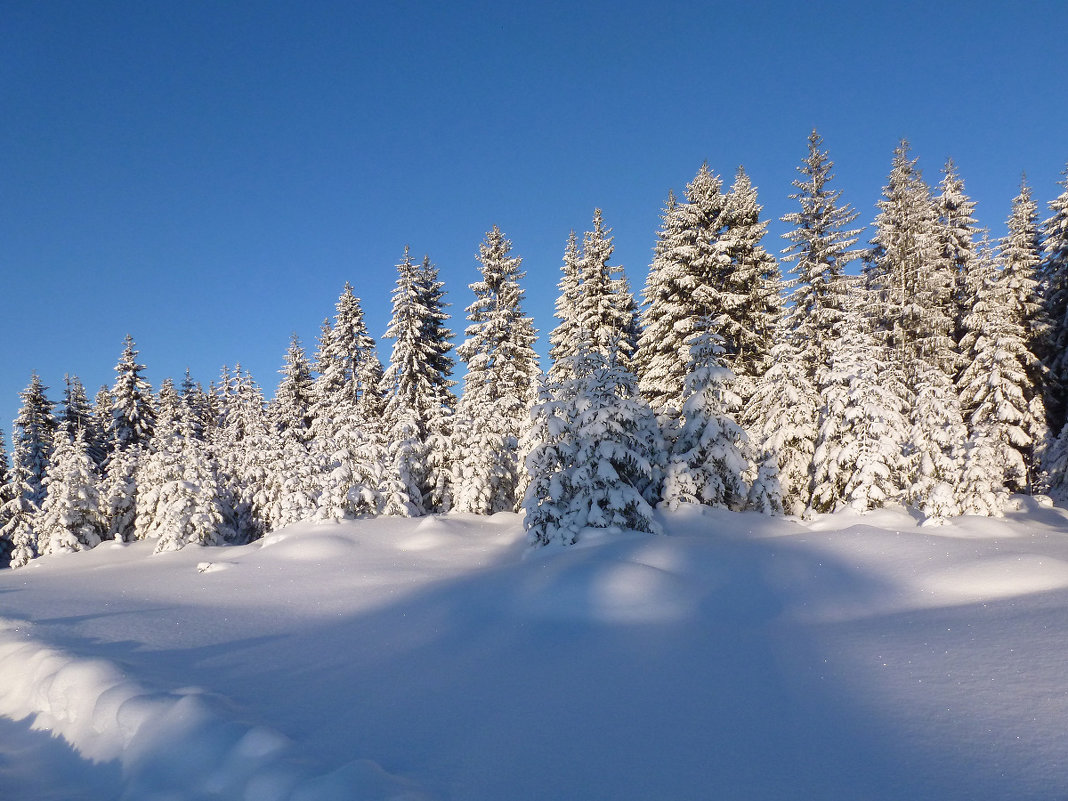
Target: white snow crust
{"points": [[737, 656]]}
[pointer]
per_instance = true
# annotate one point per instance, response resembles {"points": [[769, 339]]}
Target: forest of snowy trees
{"points": [[935, 376]]}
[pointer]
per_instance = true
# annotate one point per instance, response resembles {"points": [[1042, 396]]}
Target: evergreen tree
{"points": [[564, 338], [70, 519], [781, 419], [6, 493], [77, 418], [998, 395], [858, 458], [292, 410], [751, 295], [35, 430], [605, 313], [420, 403], [820, 249], [707, 465], [957, 237], [597, 469], [1053, 274], [549, 448], [118, 495], [682, 289], [132, 414], [499, 385], [239, 446]]}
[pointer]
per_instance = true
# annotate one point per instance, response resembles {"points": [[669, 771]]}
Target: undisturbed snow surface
{"points": [[736, 657]]}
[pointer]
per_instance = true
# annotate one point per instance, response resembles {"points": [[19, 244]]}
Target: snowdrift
{"points": [[737, 656]]}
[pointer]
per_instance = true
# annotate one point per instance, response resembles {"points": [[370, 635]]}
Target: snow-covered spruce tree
{"points": [[1020, 263], [597, 469], [33, 440], [35, 431], [564, 338], [913, 289], [6, 493], [998, 394], [170, 412], [688, 268], [198, 407], [1053, 273], [71, 518], [132, 414], [350, 374], [604, 308], [499, 385], [821, 248], [179, 499], [239, 447], [118, 494], [706, 464], [76, 418], [858, 457], [788, 396], [291, 411], [957, 239], [595, 303], [751, 297], [442, 410], [549, 451], [781, 419], [419, 401]]}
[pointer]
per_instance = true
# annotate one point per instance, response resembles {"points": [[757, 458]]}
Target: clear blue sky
{"points": [[206, 176]]}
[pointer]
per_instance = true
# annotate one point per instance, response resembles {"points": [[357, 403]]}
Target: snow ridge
{"points": [[171, 744]]}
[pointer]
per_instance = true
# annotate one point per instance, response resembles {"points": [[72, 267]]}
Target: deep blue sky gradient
{"points": [[207, 175]]}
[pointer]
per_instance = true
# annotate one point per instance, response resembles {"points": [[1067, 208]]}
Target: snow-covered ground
{"points": [[736, 657]]}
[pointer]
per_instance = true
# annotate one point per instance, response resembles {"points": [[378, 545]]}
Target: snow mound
{"points": [[180, 744], [994, 578]]}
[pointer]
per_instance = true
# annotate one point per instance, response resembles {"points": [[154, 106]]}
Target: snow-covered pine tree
{"points": [[35, 433], [76, 417], [957, 240], [70, 519], [1020, 271], [418, 387], [604, 308], [404, 490], [564, 338], [499, 386], [118, 494], [615, 476], [292, 408], [596, 468], [914, 289], [751, 295], [858, 459], [781, 419], [1053, 274], [821, 248], [682, 288], [239, 449], [999, 398], [350, 374], [790, 392], [170, 412], [6, 493], [132, 414], [442, 410], [549, 451], [707, 464], [198, 408]]}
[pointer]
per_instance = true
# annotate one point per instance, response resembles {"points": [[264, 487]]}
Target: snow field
{"points": [[737, 657]]}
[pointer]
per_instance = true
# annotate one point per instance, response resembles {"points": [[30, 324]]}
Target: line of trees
{"points": [[936, 377]]}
